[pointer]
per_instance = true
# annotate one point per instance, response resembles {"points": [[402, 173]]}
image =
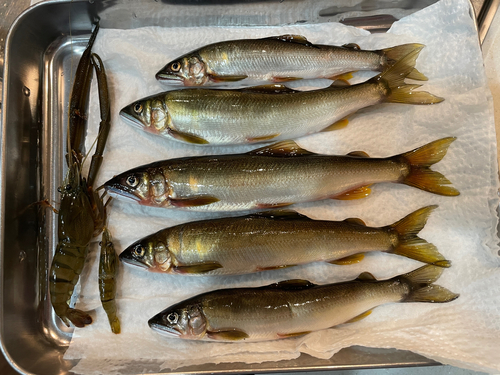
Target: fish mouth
{"points": [[155, 325], [127, 258], [124, 114], [116, 189], [161, 76]]}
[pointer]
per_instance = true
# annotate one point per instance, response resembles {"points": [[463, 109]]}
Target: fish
{"points": [[266, 113], [275, 239], [276, 59], [293, 307], [275, 176]]}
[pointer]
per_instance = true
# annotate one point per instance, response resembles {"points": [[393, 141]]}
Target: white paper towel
{"points": [[464, 333]]}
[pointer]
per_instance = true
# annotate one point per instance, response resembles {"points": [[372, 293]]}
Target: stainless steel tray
{"points": [[39, 54]]}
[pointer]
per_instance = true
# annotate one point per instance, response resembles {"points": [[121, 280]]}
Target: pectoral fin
{"points": [[358, 193], [341, 124], [351, 259], [230, 334], [188, 138], [193, 201], [216, 78], [359, 317], [198, 268], [294, 334]]}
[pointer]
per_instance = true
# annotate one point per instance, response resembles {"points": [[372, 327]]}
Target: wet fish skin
{"points": [[275, 59], [293, 307], [263, 113], [275, 176], [275, 239]]}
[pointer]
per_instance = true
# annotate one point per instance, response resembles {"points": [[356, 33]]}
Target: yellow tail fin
{"points": [[422, 289], [398, 91], [421, 175], [394, 54], [412, 246]]}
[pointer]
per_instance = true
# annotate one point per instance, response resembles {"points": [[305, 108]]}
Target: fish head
{"points": [[188, 70], [144, 185], [149, 114], [148, 253], [184, 320]]}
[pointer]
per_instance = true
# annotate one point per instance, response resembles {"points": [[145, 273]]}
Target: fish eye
{"points": [[139, 250], [175, 66], [173, 317], [132, 181], [67, 187], [138, 108]]}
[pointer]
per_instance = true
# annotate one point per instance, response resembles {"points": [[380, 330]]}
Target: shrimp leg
{"points": [[108, 270]]}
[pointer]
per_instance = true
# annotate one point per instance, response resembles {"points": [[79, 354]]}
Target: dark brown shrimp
{"points": [[82, 213], [108, 271]]}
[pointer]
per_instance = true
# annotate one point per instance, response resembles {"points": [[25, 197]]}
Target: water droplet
{"points": [[26, 91], [22, 256]]}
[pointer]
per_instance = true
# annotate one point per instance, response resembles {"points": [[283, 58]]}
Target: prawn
{"points": [[82, 212]]}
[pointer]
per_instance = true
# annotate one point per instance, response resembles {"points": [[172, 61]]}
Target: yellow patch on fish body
{"points": [[193, 183], [224, 56]]}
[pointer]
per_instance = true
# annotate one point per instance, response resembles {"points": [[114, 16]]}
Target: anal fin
{"points": [[359, 317], [351, 259], [358, 193]]}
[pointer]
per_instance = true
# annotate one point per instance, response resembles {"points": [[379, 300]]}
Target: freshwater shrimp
{"points": [[82, 213], [108, 270]]}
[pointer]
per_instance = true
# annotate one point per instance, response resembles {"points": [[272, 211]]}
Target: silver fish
{"points": [[294, 307], [275, 176], [276, 59], [263, 113], [275, 239]]}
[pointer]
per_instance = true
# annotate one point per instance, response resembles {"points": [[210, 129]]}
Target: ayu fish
{"points": [[273, 112], [275, 176], [293, 307], [275, 239], [276, 59]]}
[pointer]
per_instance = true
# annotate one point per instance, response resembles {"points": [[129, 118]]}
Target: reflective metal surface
{"points": [[36, 76]]}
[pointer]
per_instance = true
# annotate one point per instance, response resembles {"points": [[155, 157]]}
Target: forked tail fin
{"points": [[421, 175], [422, 288], [412, 246], [394, 54], [397, 90]]}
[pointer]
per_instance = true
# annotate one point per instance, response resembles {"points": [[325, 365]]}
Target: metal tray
{"points": [[37, 78]]}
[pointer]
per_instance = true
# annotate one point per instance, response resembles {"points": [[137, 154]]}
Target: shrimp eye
{"points": [[132, 181], [172, 318], [175, 66], [138, 108], [139, 251]]}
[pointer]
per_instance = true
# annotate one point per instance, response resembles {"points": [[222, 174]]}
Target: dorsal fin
{"points": [[355, 220], [293, 38], [294, 284], [284, 148], [280, 215], [353, 46], [366, 276], [359, 154], [269, 89]]}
